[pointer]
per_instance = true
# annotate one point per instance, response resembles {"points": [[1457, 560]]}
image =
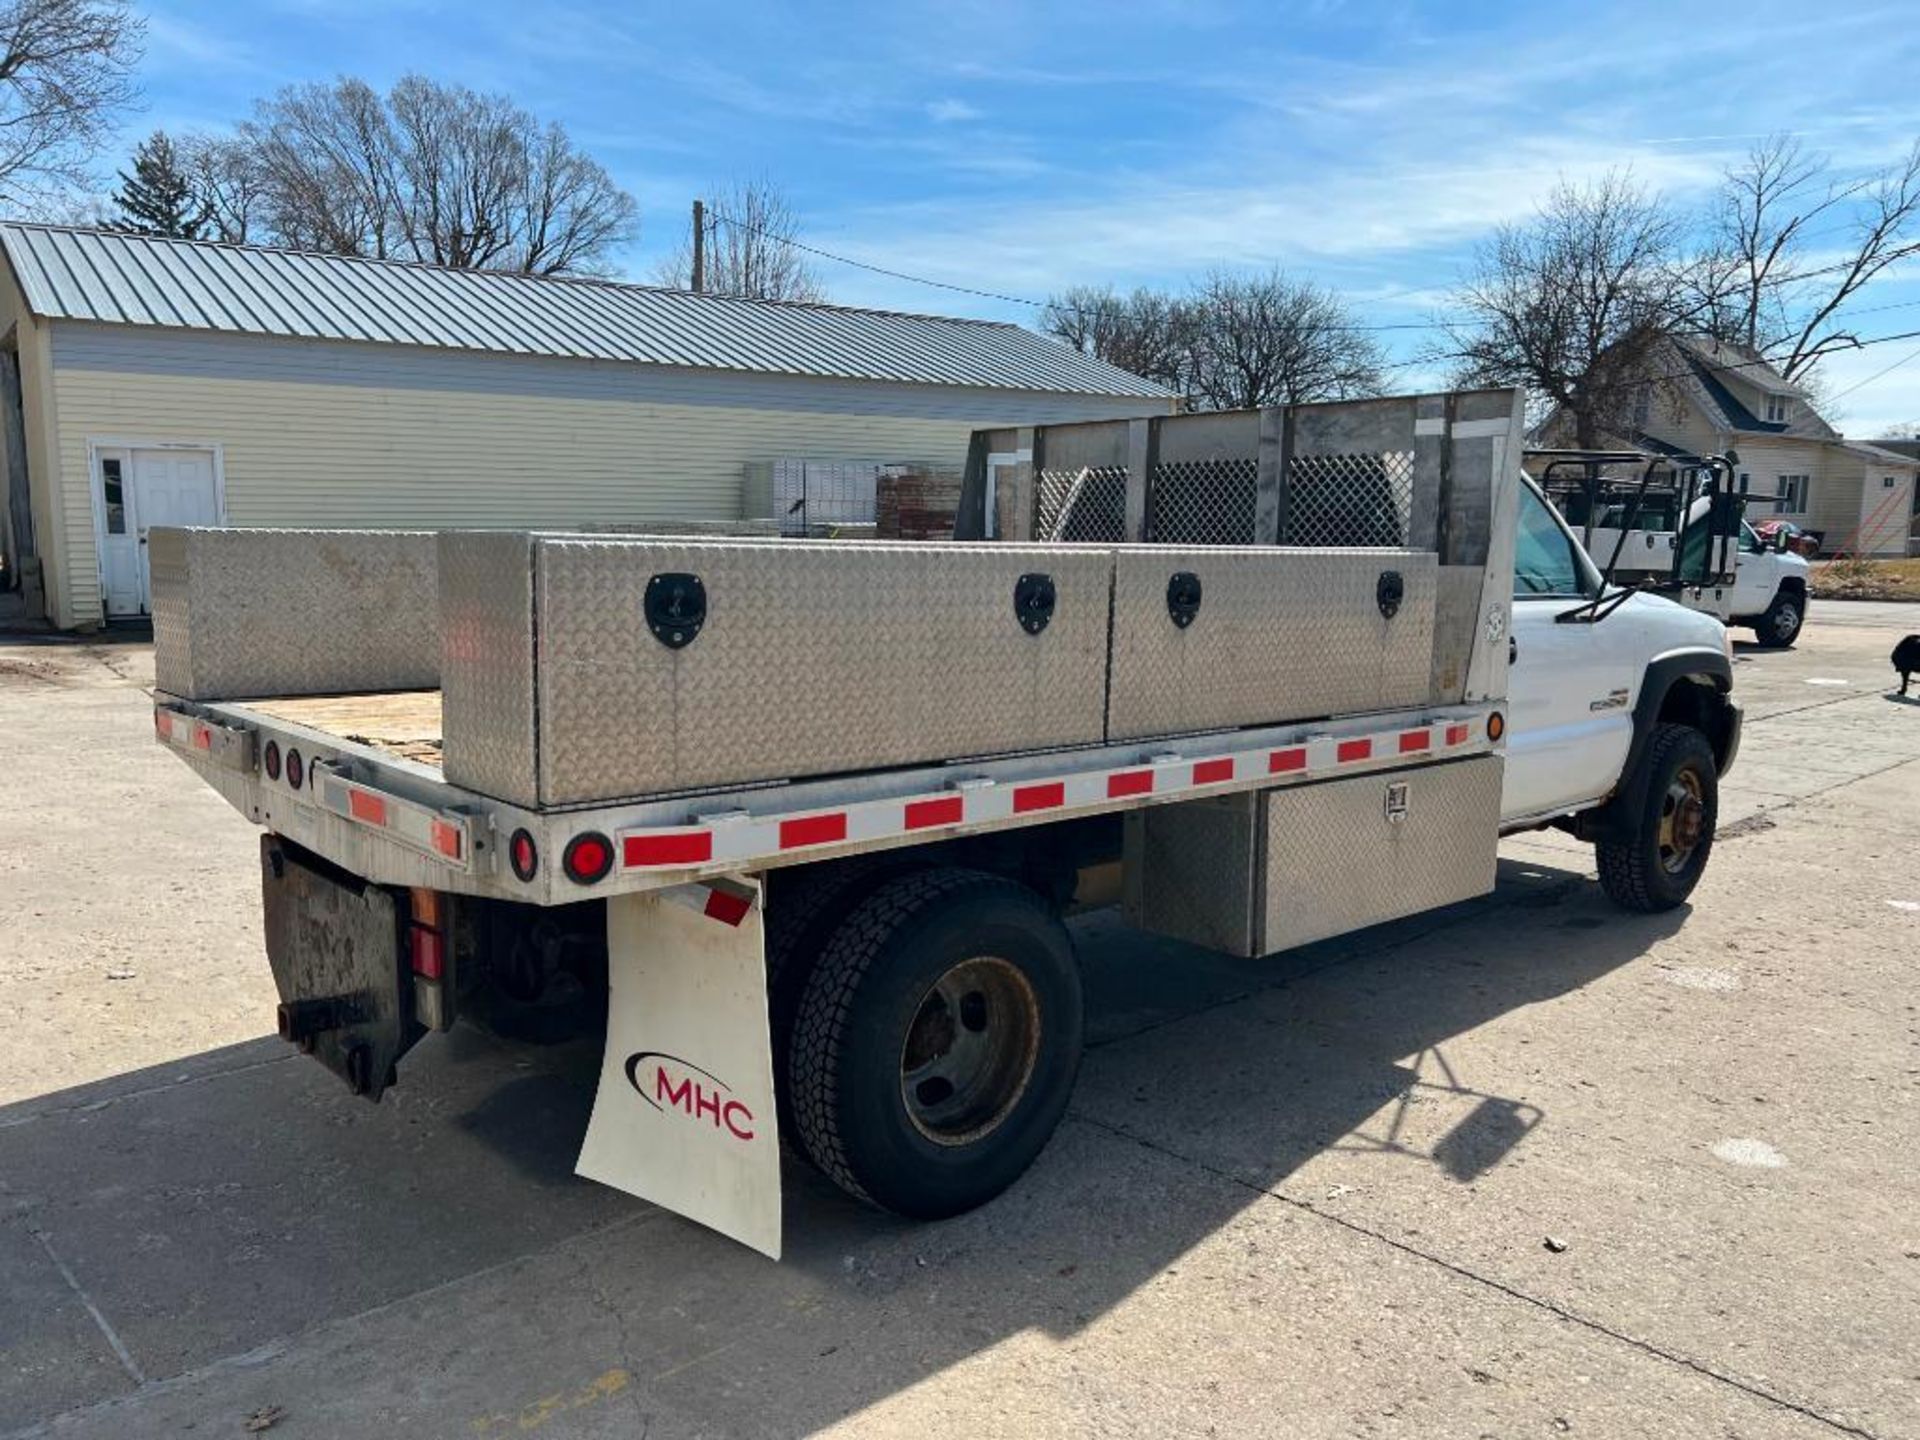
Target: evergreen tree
{"points": [[158, 197]]}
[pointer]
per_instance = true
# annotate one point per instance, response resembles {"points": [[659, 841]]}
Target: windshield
{"points": [[1547, 560]]}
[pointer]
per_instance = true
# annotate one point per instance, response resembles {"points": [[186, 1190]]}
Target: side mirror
{"points": [[1781, 541]]}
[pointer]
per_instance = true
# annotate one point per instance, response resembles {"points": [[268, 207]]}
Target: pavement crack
{"points": [[112, 1336], [590, 1283], [1465, 1272]]}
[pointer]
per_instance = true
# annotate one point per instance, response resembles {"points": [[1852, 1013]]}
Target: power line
{"points": [[1878, 374], [718, 217]]}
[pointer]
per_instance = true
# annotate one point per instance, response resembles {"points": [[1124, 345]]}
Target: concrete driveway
{"points": [[1525, 1167]]}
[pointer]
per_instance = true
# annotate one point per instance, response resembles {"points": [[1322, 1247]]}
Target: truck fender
{"points": [[1714, 714]]}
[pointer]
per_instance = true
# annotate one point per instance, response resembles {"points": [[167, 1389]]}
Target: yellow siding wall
{"points": [[306, 454]]}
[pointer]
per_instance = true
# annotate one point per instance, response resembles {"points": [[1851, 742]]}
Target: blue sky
{"points": [[1022, 148]]}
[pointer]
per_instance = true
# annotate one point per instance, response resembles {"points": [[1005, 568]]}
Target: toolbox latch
{"points": [[1183, 597], [1388, 594], [675, 608], [1034, 597]]}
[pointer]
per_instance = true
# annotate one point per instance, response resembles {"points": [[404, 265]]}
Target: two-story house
{"points": [[1707, 397]]}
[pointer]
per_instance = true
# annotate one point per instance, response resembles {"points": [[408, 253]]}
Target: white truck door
{"points": [[1756, 577], [1570, 688]]}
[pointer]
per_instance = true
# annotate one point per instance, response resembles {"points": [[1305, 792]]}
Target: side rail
{"points": [[397, 823]]}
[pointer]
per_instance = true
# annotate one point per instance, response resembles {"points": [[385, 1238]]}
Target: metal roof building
{"points": [[156, 381]]}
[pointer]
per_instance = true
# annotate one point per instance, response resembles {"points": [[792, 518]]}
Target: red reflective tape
{"points": [[947, 810], [202, 738], [813, 830], [370, 808], [1411, 740], [429, 954], [727, 907], [1351, 750], [1281, 761], [1129, 782], [446, 839], [163, 724], [1457, 734], [1029, 798], [1212, 772], [694, 847]]}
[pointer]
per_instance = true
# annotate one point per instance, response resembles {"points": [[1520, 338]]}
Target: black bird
{"points": [[1906, 659]]}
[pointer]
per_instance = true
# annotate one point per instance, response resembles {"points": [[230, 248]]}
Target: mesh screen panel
{"points": [[1087, 505], [1362, 499], [1204, 502]]}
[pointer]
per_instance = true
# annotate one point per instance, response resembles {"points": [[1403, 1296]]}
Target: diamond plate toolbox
{"points": [[646, 666], [1217, 637], [1267, 870], [239, 614]]}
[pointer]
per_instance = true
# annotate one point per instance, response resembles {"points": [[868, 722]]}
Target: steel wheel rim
{"points": [[1683, 815], [1786, 620], [970, 1051]]}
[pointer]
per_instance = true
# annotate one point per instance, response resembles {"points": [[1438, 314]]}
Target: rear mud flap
{"points": [[684, 1115]]}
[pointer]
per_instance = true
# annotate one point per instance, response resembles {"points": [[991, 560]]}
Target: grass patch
{"points": [[1857, 578]]}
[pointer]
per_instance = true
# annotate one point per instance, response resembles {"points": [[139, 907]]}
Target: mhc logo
{"points": [[666, 1082]]}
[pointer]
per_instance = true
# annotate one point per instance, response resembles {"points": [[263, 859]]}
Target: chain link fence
{"points": [[1362, 499], [1204, 502], [1082, 505]]}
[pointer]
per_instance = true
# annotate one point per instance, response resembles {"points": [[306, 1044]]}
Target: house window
{"points": [[115, 496], [1887, 482], [1792, 495], [1778, 407]]}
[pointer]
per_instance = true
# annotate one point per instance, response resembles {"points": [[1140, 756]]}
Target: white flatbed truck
{"points": [[601, 786]]}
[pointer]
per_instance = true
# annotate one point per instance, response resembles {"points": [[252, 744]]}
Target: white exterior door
{"points": [[138, 489]]}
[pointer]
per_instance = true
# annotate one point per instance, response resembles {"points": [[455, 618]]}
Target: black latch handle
{"points": [[675, 608], [1034, 599], [1183, 597], [1388, 594]]}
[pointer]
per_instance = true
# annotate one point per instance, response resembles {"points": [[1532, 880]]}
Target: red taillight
{"points": [[588, 858], [426, 940], [523, 855], [296, 769], [270, 759]]}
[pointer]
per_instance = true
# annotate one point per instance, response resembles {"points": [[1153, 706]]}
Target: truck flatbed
{"points": [[402, 723]]}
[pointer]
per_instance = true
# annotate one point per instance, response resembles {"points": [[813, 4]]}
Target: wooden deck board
{"points": [[405, 723]]}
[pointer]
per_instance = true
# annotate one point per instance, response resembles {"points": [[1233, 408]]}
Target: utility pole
{"points": [[699, 245]]}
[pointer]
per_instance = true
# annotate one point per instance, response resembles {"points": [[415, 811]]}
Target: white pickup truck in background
{"points": [[797, 823], [1763, 590]]}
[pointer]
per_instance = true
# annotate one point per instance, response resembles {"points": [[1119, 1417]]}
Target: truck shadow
{"points": [[209, 1206]]}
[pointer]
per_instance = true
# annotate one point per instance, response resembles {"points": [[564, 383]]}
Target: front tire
{"points": [[1780, 626], [1657, 865], [936, 1044]]}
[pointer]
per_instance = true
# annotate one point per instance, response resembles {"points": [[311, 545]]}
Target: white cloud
{"points": [[950, 111]]}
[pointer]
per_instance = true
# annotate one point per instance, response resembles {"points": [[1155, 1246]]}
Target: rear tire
{"points": [[936, 1043], [1657, 867], [1780, 626]]}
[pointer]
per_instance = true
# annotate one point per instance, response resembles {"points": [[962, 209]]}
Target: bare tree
{"points": [[226, 179], [1757, 285], [1573, 304], [749, 249], [430, 172], [1271, 340], [1147, 333], [66, 74]]}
